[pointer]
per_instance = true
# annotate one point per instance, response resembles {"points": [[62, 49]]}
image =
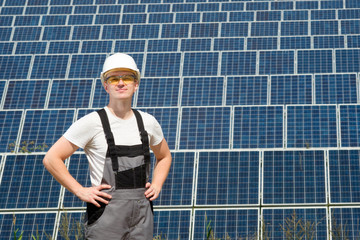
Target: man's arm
{"points": [[161, 170], [54, 163]]}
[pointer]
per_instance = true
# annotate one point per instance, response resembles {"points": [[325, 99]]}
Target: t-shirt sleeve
{"points": [[79, 133], [157, 134]]}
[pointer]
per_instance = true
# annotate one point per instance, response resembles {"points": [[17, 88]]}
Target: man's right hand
{"points": [[94, 194]]}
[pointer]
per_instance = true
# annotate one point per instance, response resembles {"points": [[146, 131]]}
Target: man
{"points": [[116, 142]]}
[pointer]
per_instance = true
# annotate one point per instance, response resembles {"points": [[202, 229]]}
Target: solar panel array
{"points": [[258, 100]]}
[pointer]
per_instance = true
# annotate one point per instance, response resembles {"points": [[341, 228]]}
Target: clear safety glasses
{"points": [[127, 79]]}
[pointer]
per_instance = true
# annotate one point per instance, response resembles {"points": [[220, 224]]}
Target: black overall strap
{"points": [[109, 139], [143, 136]]}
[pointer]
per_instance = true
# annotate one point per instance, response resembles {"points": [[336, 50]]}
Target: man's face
{"points": [[121, 84]]}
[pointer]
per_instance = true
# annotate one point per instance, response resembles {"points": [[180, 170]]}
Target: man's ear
{"points": [[106, 87]]}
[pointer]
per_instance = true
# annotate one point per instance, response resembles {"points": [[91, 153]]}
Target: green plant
{"points": [[16, 237], [76, 230], [27, 147]]}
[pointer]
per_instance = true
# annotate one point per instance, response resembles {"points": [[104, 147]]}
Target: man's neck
{"points": [[121, 109]]}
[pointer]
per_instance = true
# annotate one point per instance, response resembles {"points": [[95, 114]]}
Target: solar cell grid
{"points": [[49, 66], [36, 10], [6, 20], [30, 47], [172, 224], [12, 10], [96, 46], [26, 94], [219, 181], [86, 32], [350, 125], [350, 27], [258, 127], [64, 47], [14, 67], [228, 44], [277, 62], [311, 126], [178, 188], [323, 14], [347, 60], [329, 42], [56, 33], [26, 34], [70, 93], [26, 20], [107, 19], [88, 65], [158, 92], [261, 43], [238, 63], [157, 64], [346, 218], [201, 64], [29, 223], [294, 28], [308, 59], [163, 45], [27, 184], [232, 223], [161, 18], [145, 31], [344, 178], [294, 177], [133, 18], [44, 127], [205, 128], [264, 28], [335, 89], [9, 128], [246, 90], [307, 5]]}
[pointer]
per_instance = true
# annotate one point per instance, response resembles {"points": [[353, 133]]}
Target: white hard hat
{"points": [[119, 61]]}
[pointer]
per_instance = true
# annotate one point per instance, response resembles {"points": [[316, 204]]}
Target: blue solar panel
{"points": [[296, 15], [232, 30], [64, 47], [109, 8], [133, 18], [159, 8], [174, 224], [175, 31], [353, 41], [307, 5], [323, 14], [295, 42], [215, 17], [14, 67], [28, 223], [331, 4], [96, 46], [261, 43], [85, 9], [9, 129], [352, 4], [183, 7], [311, 126], [238, 63], [226, 223], [12, 10], [161, 18], [168, 119], [334, 89], [56, 33], [73, 220], [163, 45], [219, 181], [145, 31], [6, 20], [233, 6], [308, 59], [324, 27], [26, 94], [80, 19], [277, 62], [79, 169], [86, 32], [49, 66], [241, 16], [228, 44], [347, 60], [187, 17], [26, 20], [202, 91], [61, 10], [26, 34], [291, 89], [329, 42], [204, 30], [350, 125], [264, 28], [36, 10], [87, 65], [349, 13], [70, 93], [30, 47], [345, 222], [130, 46], [204, 7], [27, 184], [282, 5], [350, 27], [201, 64], [44, 127], [258, 127], [115, 32], [53, 20], [101, 98], [196, 44], [344, 176], [294, 177], [257, 6], [178, 188], [268, 16], [200, 125], [280, 222], [6, 48], [157, 64], [246, 90], [294, 28]]}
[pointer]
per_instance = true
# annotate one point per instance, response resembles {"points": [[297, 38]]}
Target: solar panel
{"points": [[291, 89], [307, 61], [347, 60], [26, 94], [345, 222], [250, 90], [294, 177], [349, 125], [27, 184], [311, 126], [226, 223], [199, 125], [344, 176], [276, 62], [9, 127], [219, 181], [172, 224], [28, 223], [258, 127], [335, 89]]}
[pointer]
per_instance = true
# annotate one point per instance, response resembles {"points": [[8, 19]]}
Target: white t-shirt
{"points": [[88, 133]]}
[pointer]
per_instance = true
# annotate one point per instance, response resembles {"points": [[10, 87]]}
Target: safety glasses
{"points": [[127, 79]]}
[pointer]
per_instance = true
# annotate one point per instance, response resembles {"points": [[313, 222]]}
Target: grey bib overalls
{"points": [[129, 213]]}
